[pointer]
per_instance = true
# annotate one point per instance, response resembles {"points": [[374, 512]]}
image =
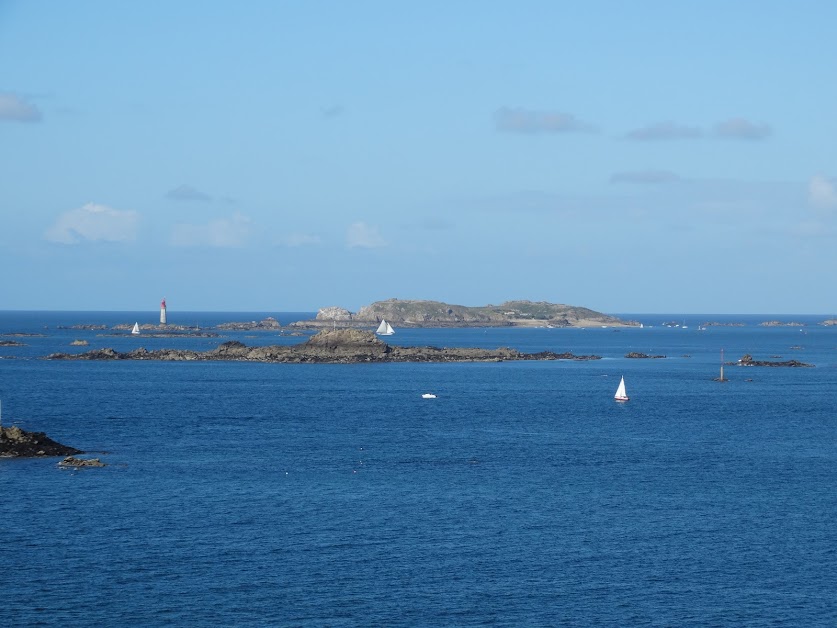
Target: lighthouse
{"points": [[163, 311]]}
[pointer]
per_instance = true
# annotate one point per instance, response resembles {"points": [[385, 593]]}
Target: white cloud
{"points": [[822, 192], [526, 121], [230, 232], [187, 193], [359, 235], [301, 239], [741, 129], [15, 108], [92, 223], [665, 131]]}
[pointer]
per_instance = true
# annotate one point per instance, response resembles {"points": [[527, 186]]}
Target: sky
{"points": [[287, 156]]}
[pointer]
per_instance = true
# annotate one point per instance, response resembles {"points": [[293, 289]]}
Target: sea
{"points": [[245, 494]]}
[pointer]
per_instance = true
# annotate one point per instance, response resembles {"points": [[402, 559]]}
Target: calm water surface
{"points": [[333, 495]]}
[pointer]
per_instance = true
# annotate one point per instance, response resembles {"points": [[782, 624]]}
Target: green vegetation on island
{"points": [[417, 313]]}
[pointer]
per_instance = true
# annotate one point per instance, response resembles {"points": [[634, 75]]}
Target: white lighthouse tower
{"points": [[163, 311]]}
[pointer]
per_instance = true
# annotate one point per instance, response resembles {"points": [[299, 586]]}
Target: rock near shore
{"points": [[18, 443]]}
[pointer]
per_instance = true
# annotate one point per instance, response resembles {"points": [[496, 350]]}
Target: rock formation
{"points": [[342, 346], [334, 313], [747, 360], [17, 443], [637, 355], [268, 323], [70, 461]]}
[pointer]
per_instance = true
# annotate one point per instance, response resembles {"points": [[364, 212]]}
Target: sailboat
{"points": [[135, 330], [621, 395], [385, 329]]}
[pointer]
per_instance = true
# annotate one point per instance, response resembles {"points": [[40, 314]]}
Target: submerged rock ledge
{"points": [[340, 346]]}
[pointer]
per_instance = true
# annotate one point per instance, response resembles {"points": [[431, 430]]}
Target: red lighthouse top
{"points": [[163, 304]]}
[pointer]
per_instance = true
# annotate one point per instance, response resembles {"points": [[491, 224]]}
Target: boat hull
{"points": [[621, 398]]}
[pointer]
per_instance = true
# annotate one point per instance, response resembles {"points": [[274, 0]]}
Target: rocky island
{"points": [[410, 313], [17, 443], [339, 346], [747, 360]]}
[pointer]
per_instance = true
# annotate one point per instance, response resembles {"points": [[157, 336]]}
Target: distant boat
{"points": [[428, 396], [135, 330], [385, 329], [621, 395]]}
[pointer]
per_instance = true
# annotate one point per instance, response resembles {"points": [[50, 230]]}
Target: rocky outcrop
{"points": [[747, 360], [637, 355], [334, 313], [341, 346], [831, 322], [18, 443], [11, 343], [79, 343], [781, 324], [70, 461], [269, 323]]}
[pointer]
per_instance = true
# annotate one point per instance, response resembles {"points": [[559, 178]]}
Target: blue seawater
{"points": [[334, 495]]}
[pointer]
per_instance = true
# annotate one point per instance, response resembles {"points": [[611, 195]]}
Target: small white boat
{"points": [[384, 329], [428, 396], [621, 394], [135, 330]]}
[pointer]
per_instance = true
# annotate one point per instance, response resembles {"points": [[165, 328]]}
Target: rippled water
{"points": [[248, 494]]}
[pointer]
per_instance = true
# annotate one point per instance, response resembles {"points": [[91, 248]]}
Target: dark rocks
{"points": [[268, 323], [11, 343], [340, 346], [17, 443], [643, 356], [97, 354], [747, 360]]}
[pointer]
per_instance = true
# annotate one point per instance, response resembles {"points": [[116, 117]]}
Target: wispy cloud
{"points": [[185, 192], [665, 131], [301, 239], [741, 129], [333, 111], [16, 109], [359, 235], [822, 192], [230, 232], [92, 223], [517, 120], [644, 177]]}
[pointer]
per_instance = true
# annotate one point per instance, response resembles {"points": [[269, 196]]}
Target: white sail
{"points": [[385, 329], [621, 394], [135, 330]]}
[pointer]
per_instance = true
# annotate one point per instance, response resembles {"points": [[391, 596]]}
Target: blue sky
{"points": [[628, 157]]}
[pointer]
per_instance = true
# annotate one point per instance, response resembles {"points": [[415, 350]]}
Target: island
{"points": [[18, 443], [333, 346], [747, 360], [11, 343], [643, 356], [417, 313]]}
